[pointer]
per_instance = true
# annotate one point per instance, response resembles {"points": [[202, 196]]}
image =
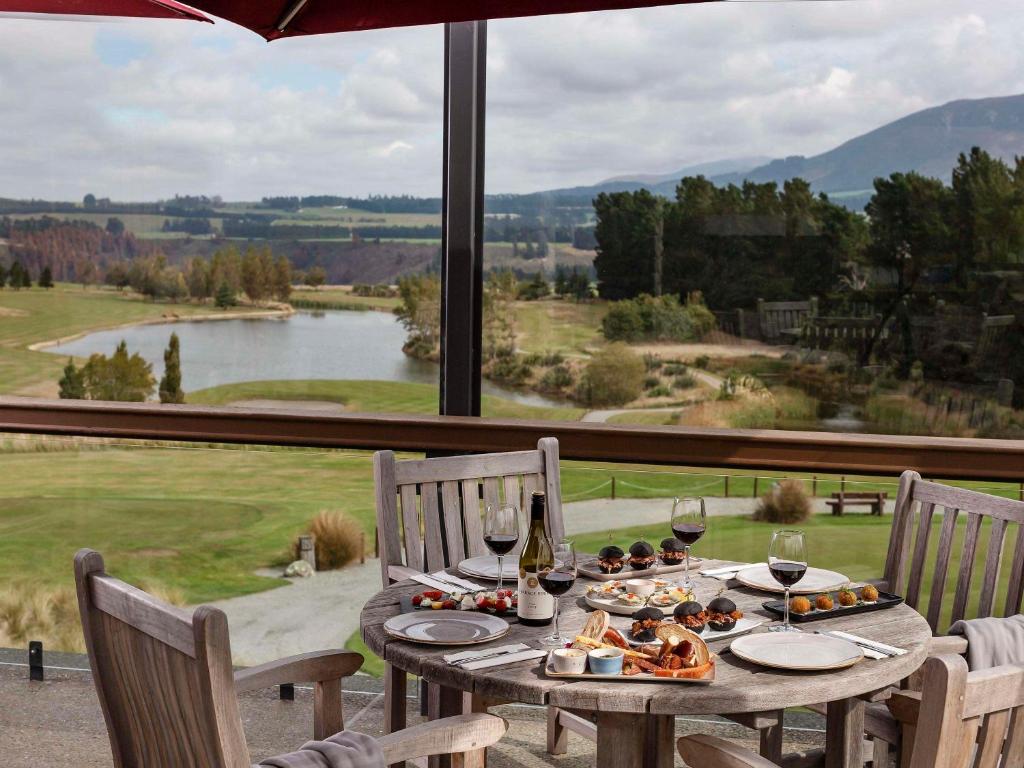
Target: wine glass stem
{"points": [[557, 635], [686, 567], [501, 570], [785, 615]]}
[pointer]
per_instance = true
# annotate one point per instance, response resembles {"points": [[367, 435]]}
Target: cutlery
{"points": [[455, 581], [431, 582], [882, 648], [730, 569], [493, 653]]}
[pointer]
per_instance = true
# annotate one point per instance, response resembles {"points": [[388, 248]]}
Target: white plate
{"points": [[446, 627], [709, 635], [797, 650], [815, 580], [612, 605], [486, 567]]}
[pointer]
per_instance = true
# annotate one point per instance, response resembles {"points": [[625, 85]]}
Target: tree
{"points": [[282, 278], [46, 278], [3, 275], [72, 383], [614, 376], [197, 278], [537, 288], [226, 267], [316, 277], [89, 201], [257, 273], [115, 226], [170, 384], [16, 276], [225, 297], [625, 232], [420, 314], [118, 275], [121, 377], [499, 319]]}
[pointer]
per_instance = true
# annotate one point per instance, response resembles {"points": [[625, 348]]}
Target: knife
{"points": [[863, 642]]}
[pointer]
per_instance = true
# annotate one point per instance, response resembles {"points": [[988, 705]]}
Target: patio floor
{"points": [[58, 721]]}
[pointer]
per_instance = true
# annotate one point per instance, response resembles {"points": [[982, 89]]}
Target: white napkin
{"points": [[728, 572], [509, 654], [469, 586], [870, 653]]}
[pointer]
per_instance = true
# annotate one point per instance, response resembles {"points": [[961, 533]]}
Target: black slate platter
{"points": [[407, 607], [885, 600]]}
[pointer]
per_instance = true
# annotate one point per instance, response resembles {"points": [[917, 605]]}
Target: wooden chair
{"points": [[169, 696], [959, 719], [429, 517], [913, 548], [962, 719]]}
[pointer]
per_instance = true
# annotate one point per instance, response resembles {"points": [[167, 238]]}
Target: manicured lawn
{"points": [[35, 315], [370, 397], [559, 326]]}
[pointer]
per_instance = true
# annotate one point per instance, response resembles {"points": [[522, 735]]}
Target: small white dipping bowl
{"points": [[642, 587], [569, 661]]}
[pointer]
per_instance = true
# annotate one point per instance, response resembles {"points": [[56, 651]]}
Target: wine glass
{"points": [[689, 522], [556, 569], [787, 562], [501, 532]]}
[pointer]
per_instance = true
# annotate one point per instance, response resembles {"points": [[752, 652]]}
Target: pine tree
{"points": [[170, 384], [3, 275], [15, 275], [46, 278], [225, 296], [72, 384]]}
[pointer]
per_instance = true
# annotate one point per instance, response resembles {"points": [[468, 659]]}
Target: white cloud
{"points": [[572, 99]]}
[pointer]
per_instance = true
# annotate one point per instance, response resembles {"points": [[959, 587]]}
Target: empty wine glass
{"points": [[501, 532], [689, 521], [787, 562], [556, 569]]}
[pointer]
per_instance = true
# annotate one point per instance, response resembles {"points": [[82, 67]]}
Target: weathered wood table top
{"points": [[739, 687]]}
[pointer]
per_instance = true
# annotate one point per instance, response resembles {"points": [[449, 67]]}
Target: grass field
{"points": [[342, 295], [565, 326], [34, 315]]}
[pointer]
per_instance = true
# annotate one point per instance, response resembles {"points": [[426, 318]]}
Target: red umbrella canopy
{"points": [[288, 18], [156, 9]]}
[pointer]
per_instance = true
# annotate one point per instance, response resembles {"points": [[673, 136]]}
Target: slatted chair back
{"points": [[914, 552], [163, 677], [429, 511], [969, 720]]}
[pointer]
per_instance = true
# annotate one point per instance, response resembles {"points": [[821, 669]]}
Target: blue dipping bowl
{"points": [[606, 661]]}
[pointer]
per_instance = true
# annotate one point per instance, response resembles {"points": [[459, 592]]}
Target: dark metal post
{"points": [[462, 217], [35, 660], [287, 691]]}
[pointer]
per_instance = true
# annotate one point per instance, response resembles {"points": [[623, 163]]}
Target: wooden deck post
{"points": [[307, 550]]}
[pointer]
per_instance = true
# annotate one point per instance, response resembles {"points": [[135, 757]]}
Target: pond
{"points": [[306, 345]]}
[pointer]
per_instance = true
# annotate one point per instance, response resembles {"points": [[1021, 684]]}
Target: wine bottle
{"points": [[536, 607]]}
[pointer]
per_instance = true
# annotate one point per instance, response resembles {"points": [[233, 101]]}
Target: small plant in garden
{"points": [[684, 381], [337, 539], [659, 391], [614, 376], [651, 382], [556, 378], [701, 362], [787, 502]]}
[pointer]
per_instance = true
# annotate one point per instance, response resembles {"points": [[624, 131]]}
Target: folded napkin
{"points": [[469, 586], [501, 655], [992, 642], [869, 646], [728, 572], [347, 749]]}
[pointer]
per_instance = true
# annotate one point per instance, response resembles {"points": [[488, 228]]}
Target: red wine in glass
{"points": [[501, 543], [557, 583], [688, 533], [556, 572], [787, 574], [689, 521]]}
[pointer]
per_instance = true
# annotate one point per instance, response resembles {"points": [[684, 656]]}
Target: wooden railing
{"points": [[824, 452]]}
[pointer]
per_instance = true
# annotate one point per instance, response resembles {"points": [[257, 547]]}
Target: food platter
{"points": [[743, 626], [815, 580], [885, 600], [486, 567], [589, 569], [445, 627], [798, 651], [707, 679]]}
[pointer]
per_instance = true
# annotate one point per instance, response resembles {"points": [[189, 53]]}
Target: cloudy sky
{"points": [[138, 110]]}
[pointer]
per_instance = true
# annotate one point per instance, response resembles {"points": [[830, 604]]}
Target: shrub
{"points": [[613, 376], [662, 318], [652, 362], [651, 382], [787, 502], [672, 369], [623, 322], [684, 380], [552, 358], [660, 391], [702, 361], [510, 369], [555, 378], [336, 539]]}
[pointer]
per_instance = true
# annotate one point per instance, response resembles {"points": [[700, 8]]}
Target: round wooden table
{"points": [[635, 721]]}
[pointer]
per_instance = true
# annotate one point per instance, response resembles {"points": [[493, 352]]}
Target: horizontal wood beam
{"points": [[825, 452]]}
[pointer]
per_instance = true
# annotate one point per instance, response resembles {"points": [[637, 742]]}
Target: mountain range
{"points": [[927, 141]]}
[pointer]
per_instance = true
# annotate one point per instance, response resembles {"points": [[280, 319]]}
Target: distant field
{"points": [[357, 218], [142, 224], [559, 325], [35, 315]]}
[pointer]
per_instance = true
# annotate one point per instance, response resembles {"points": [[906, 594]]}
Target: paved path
{"points": [[323, 611]]}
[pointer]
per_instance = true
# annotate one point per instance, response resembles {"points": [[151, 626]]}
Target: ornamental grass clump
{"points": [[787, 502], [337, 540]]}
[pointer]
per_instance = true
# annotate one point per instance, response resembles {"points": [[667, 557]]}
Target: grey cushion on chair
{"points": [[992, 642], [347, 749]]}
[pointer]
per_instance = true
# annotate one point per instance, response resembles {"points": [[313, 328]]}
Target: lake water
{"points": [[306, 345]]}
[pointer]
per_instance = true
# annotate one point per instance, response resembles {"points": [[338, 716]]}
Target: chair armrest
{"points": [[947, 644], [712, 752], [316, 667], [905, 706], [448, 736], [402, 572]]}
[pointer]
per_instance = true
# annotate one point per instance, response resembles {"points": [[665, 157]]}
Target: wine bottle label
{"points": [[534, 602]]}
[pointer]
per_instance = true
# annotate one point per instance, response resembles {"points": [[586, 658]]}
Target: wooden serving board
{"points": [[643, 677], [589, 569]]}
